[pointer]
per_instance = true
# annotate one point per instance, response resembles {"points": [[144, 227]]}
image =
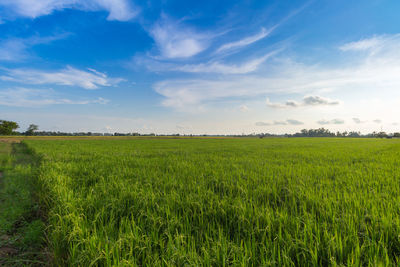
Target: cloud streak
{"points": [[245, 41], [244, 108], [69, 76], [16, 49], [334, 121], [372, 44], [25, 97], [377, 70], [121, 10], [358, 121], [278, 123], [307, 101], [261, 123], [217, 67], [175, 40]]}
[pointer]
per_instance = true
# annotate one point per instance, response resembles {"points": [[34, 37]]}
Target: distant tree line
{"points": [[322, 132], [10, 128]]}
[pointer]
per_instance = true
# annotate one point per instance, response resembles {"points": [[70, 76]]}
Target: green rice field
{"points": [[220, 202]]}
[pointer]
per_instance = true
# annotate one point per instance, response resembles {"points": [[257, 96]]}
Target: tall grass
{"points": [[205, 202], [21, 225]]}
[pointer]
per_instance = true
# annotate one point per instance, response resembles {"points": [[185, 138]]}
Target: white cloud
{"points": [[279, 123], [246, 41], [377, 121], [358, 121], [175, 40], [307, 101], [378, 70], [12, 50], [70, 76], [244, 108], [334, 121], [118, 9], [15, 49], [319, 101], [294, 122], [182, 94], [217, 67], [371, 44], [24, 97], [261, 123], [361, 45]]}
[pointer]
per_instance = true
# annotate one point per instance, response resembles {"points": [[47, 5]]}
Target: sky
{"points": [[200, 67]]}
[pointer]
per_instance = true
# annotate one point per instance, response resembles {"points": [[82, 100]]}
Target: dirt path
{"points": [[21, 226], [5, 251]]}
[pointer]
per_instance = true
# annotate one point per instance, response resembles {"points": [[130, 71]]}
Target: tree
{"points": [[8, 127], [31, 129], [381, 135], [354, 134]]}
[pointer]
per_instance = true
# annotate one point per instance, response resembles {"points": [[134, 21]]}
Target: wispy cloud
{"points": [[16, 49], [358, 121], [277, 123], [294, 122], [122, 10], [263, 33], [307, 101], [334, 121], [261, 123], [378, 70], [244, 108], [183, 94], [176, 40], [371, 44], [25, 97], [218, 67], [377, 121], [246, 41], [12, 50], [69, 76]]}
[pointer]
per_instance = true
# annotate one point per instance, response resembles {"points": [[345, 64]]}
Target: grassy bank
{"points": [[21, 226], [219, 202]]}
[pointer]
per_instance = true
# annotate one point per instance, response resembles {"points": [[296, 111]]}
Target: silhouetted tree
{"points": [[8, 127], [381, 135], [354, 134], [32, 129]]}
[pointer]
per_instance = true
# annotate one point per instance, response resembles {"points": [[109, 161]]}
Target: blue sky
{"points": [[216, 67]]}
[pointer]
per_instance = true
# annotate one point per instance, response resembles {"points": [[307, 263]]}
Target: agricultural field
{"points": [[220, 202]]}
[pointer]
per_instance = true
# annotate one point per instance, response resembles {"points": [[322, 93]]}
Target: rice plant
{"points": [[221, 202]]}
